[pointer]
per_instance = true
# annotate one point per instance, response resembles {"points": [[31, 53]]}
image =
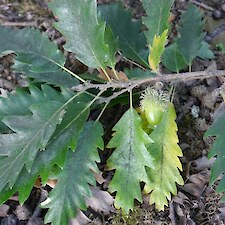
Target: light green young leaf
{"points": [[165, 151], [73, 182], [191, 33], [36, 55], [65, 137], [131, 40], [129, 159], [158, 13], [172, 59], [156, 50], [84, 32]]}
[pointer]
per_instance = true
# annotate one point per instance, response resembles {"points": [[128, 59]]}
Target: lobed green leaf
{"points": [[165, 151], [131, 41], [18, 103], [172, 59], [217, 150], [31, 134], [65, 136], [36, 56], [156, 21], [129, 159], [73, 181], [83, 30], [191, 33]]}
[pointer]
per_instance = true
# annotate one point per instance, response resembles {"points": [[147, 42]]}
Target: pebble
{"points": [[22, 212], [217, 14], [223, 7], [10, 220]]}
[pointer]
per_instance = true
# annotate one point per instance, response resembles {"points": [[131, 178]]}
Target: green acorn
{"points": [[153, 103]]}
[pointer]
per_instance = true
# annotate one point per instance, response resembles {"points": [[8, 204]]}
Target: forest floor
{"points": [[196, 202]]}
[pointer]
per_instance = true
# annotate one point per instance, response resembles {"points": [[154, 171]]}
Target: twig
{"points": [[129, 86], [179, 77], [203, 5], [19, 24], [210, 36]]}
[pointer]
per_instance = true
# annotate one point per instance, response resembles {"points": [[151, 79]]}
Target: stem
{"points": [[189, 68], [99, 116], [70, 72], [115, 73], [106, 74], [131, 100]]}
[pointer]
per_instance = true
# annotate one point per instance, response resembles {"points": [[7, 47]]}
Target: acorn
{"points": [[153, 104]]}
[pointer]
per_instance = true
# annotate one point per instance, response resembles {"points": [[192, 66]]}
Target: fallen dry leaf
{"points": [[113, 74], [101, 201], [196, 183], [81, 219], [203, 163], [99, 178], [4, 210]]}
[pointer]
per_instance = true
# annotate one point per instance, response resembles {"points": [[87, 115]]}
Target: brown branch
{"points": [[129, 86], [179, 77]]}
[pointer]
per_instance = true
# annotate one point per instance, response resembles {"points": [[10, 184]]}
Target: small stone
{"points": [[208, 100], [198, 91], [223, 7], [22, 212], [200, 124], [217, 14], [10, 220]]}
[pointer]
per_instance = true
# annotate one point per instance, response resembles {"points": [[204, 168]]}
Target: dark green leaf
{"points": [[65, 136], [217, 150], [73, 181], [138, 73], [158, 13], [58, 78], [32, 133], [84, 33], [131, 41], [191, 33], [205, 52], [18, 103], [36, 55], [172, 59], [113, 45]]}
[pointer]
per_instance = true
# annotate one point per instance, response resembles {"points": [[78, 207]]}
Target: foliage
{"points": [[156, 50], [35, 60], [81, 18], [217, 149], [189, 44], [162, 178], [73, 181], [156, 21], [131, 41], [129, 159], [48, 124]]}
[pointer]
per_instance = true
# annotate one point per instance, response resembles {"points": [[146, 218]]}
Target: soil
{"points": [[196, 202]]}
